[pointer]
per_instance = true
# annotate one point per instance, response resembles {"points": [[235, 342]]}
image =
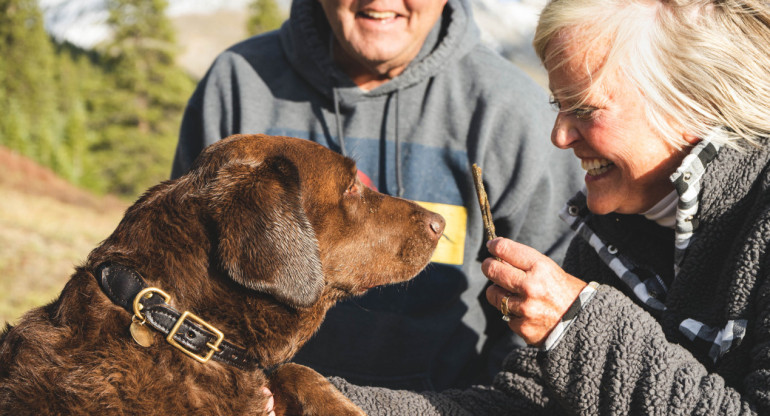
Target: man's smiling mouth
{"points": [[375, 15]]}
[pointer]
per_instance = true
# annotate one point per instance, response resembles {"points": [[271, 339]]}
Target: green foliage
{"points": [[147, 93], [26, 68], [107, 119], [264, 16]]}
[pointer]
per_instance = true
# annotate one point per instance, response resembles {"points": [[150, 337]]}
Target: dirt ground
{"points": [[47, 227]]}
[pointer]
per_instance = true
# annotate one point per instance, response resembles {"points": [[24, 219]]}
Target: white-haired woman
{"points": [[663, 302]]}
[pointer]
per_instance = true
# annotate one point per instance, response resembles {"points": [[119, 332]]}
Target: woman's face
{"points": [[627, 163], [383, 36]]}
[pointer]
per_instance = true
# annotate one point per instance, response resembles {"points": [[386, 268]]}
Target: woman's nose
{"points": [[564, 134]]}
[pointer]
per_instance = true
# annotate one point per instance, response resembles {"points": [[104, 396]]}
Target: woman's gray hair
{"points": [[699, 64]]}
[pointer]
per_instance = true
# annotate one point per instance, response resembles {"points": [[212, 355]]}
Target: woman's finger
{"points": [[539, 291], [516, 254], [503, 274], [495, 296], [502, 299]]}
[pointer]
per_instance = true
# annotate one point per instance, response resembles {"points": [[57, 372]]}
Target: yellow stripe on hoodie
{"points": [[451, 246]]}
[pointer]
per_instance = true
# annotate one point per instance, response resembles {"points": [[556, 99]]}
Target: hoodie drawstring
{"points": [[341, 138], [341, 133], [338, 119], [335, 93], [399, 183]]}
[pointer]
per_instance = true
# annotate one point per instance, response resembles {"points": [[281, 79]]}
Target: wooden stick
{"points": [[486, 212]]}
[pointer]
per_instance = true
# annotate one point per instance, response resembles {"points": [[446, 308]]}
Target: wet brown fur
{"points": [[259, 239]]}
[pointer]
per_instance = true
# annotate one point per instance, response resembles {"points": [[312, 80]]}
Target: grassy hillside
{"points": [[46, 228]]}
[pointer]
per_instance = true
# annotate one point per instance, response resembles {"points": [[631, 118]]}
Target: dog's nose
{"points": [[436, 224]]}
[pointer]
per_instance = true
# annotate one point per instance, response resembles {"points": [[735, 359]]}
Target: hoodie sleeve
{"points": [[530, 213], [191, 139], [528, 179], [209, 114]]}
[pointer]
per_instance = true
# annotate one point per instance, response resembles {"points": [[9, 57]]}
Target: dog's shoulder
{"points": [[43, 331]]}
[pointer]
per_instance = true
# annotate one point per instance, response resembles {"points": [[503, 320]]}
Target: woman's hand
{"points": [[539, 291]]}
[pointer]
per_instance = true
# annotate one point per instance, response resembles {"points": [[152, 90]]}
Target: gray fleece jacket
{"points": [[669, 332], [416, 136]]}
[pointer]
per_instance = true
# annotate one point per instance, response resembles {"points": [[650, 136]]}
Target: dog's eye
{"points": [[353, 189]]}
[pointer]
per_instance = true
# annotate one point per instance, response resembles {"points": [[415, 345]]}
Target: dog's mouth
{"points": [[366, 283], [378, 280], [365, 286], [365, 289]]}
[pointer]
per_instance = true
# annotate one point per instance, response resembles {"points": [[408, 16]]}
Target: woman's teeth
{"points": [[595, 166]]}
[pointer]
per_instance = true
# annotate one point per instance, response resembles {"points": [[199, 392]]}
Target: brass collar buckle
{"points": [[147, 293], [212, 347]]}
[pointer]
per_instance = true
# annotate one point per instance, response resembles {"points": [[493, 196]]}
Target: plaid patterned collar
{"points": [[652, 290], [687, 182]]}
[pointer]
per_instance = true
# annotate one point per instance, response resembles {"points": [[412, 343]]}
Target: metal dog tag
{"points": [[141, 334]]}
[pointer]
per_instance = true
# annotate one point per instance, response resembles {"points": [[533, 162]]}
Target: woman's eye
{"points": [[554, 103], [581, 113], [584, 113]]}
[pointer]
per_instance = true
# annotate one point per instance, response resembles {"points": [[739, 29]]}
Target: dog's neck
{"points": [[186, 331], [263, 334]]}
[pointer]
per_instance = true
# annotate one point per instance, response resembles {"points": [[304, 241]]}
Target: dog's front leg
{"points": [[299, 390]]}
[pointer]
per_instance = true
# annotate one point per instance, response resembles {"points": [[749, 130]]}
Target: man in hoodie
{"points": [[405, 88]]}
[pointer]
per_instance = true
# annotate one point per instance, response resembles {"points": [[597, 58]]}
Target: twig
{"points": [[486, 212]]}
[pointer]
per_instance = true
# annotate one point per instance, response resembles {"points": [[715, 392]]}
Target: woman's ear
{"points": [[691, 139], [265, 241]]}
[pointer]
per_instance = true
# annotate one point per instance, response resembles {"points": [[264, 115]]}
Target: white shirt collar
{"points": [[664, 212]]}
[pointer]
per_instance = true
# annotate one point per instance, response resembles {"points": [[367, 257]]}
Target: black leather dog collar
{"points": [[191, 335]]}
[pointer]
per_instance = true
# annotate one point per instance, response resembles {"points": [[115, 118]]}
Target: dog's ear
{"points": [[265, 241]]}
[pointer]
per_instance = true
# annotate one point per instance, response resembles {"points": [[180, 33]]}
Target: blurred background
{"points": [[91, 98]]}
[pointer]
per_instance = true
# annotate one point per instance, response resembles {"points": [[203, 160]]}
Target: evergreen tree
{"points": [[148, 96], [264, 16], [76, 139], [14, 127], [83, 87], [72, 75], [26, 80], [105, 119]]}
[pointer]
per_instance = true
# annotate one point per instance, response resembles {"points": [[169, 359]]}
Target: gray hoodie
{"points": [[416, 136]]}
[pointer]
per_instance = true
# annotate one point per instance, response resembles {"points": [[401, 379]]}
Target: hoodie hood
{"points": [[306, 40]]}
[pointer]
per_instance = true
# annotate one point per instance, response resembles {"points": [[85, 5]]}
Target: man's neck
{"points": [[366, 77]]}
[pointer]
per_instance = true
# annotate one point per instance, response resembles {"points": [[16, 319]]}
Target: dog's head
{"points": [[292, 218]]}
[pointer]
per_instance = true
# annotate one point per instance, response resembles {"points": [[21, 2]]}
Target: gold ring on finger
{"points": [[504, 308]]}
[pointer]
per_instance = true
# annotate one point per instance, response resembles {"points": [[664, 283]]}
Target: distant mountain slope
{"points": [[203, 36], [47, 226]]}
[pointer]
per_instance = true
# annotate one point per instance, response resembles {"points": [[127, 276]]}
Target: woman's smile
{"points": [[597, 166]]}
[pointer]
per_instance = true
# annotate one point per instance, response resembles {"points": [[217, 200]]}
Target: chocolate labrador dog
{"points": [[212, 282]]}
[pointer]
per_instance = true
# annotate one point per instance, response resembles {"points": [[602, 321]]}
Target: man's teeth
{"points": [[379, 15], [595, 166]]}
